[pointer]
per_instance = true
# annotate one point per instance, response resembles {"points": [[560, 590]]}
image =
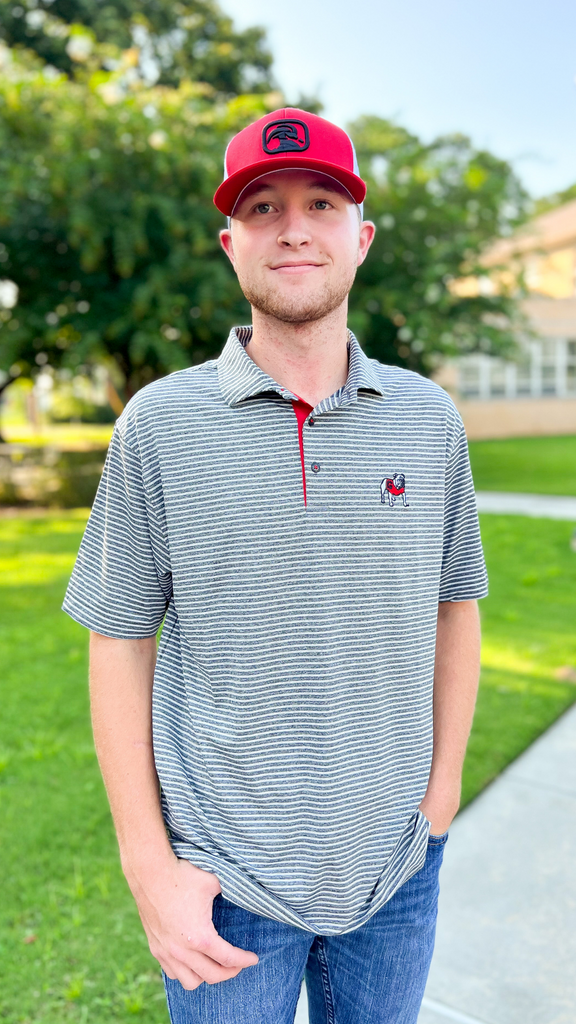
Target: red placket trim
{"points": [[302, 410]]}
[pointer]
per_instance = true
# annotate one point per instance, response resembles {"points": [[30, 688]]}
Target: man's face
{"points": [[295, 242]]}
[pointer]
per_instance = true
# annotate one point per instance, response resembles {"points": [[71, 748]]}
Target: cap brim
{"points": [[226, 196]]}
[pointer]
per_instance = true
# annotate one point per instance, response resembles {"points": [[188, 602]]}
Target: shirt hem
{"points": [[95, 627], [237, 886]]}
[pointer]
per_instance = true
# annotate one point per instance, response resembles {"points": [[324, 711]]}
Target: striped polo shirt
{"points": [[296, 559]]}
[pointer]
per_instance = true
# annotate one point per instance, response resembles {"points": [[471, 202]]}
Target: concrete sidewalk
{"points": [[506, 945], [539, 506]]}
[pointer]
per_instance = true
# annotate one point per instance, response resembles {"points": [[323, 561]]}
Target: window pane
{"points": [[523, 379], [497, 379], [469, 385], [548, 380]]}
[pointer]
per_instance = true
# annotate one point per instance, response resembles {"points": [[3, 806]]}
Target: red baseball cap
{"points": [[284, 139]]}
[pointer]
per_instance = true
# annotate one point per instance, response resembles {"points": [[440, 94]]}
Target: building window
{"points": [[523, 378], [546, 367], [571, 367], [469, 379], [497, 379], [549, 352]]}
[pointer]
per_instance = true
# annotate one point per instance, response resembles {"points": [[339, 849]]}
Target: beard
{"points": [[298, 309]]}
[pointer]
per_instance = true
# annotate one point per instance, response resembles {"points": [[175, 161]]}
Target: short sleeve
{"points": [[463, 575], [121, 582]]}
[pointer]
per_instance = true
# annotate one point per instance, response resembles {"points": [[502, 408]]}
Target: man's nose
{"points": [[294, 231]]}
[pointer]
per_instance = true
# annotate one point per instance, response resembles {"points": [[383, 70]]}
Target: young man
{"points": [[303, 520]]}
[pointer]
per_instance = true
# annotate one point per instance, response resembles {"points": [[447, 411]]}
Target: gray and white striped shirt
{"points": [[293, 692]]}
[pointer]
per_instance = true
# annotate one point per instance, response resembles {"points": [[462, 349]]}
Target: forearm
{"points": [[456, 673], [174, 898], [121, 678]]}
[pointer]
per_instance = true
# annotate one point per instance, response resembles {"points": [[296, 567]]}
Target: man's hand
{"points": [[175, 908], [440, 807], [174, 898]]}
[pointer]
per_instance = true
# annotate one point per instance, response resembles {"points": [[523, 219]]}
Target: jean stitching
{"points": [[325, 975], [167, 991]]}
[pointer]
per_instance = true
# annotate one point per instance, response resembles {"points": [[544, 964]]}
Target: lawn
{"points": [[538, 465], [70, 941], [528, 634], [71, 944], [69, 437]]}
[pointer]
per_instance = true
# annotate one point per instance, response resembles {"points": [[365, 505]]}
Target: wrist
{"points": [[145, 864], [440, 804]]}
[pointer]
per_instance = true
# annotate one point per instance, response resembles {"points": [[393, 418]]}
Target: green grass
{"points": [[528, 633], [537, 465], [71, 945], [67, 436]]}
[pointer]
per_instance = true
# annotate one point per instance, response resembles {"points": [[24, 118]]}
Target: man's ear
{"points": [[367, 232], [226, 243]]}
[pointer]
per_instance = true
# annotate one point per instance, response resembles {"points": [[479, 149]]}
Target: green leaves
{"points": [[110, 232], [107, 225], [436, 208], [188, 40]]}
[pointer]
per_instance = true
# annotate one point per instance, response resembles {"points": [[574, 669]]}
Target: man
{"points": [[318, 664]]}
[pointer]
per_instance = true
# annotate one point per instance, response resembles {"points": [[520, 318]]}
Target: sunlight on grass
{"points": [[71, 942], [33, 569], [525, 662], [528, 634], [69, 436]]}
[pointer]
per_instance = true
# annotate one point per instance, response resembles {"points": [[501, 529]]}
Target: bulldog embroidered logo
{"points": [[393, 487]]}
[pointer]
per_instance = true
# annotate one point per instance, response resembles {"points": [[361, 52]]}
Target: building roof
{"points": [[550, 231]]}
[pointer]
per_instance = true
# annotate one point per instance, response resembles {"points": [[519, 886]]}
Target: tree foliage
{"points": [[551, 202], [107, 223], [190, 39], [436, 208]]}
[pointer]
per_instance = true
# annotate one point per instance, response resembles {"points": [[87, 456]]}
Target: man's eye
{"points": [[321, 204], [263, 208]]}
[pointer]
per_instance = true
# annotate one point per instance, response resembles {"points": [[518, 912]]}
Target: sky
{"points": [[501, 71]]}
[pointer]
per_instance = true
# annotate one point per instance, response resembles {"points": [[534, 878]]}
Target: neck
{"points": [[310, 359]]}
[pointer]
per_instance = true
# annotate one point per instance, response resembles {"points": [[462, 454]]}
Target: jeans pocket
{"points": [[438, 840]]}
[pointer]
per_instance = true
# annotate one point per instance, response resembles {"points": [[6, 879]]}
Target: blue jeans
{"points": [[374, 975]]}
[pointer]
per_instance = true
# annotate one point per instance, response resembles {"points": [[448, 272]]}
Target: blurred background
{"points": [[114, 118]]}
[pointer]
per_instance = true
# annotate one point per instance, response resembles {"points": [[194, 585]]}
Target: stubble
{"points": [[297, 309]]}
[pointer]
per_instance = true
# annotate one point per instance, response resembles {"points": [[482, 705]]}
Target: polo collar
{"points": [[240, 378]]}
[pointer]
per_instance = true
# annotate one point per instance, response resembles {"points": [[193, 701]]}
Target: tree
{"points": [[190, 39], [107, 224], [108, 229], [547, 203], [437, 207]]}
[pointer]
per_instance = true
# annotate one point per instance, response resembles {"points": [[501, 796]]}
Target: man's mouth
{"points": [[296, 268]]}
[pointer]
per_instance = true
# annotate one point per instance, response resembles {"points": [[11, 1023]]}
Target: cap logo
{"points": [[285, 137]]}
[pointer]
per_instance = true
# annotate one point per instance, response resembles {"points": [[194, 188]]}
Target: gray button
{"points": [[315, 467]]}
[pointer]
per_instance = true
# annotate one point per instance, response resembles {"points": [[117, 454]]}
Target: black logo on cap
{"points": [[285, 137]]}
